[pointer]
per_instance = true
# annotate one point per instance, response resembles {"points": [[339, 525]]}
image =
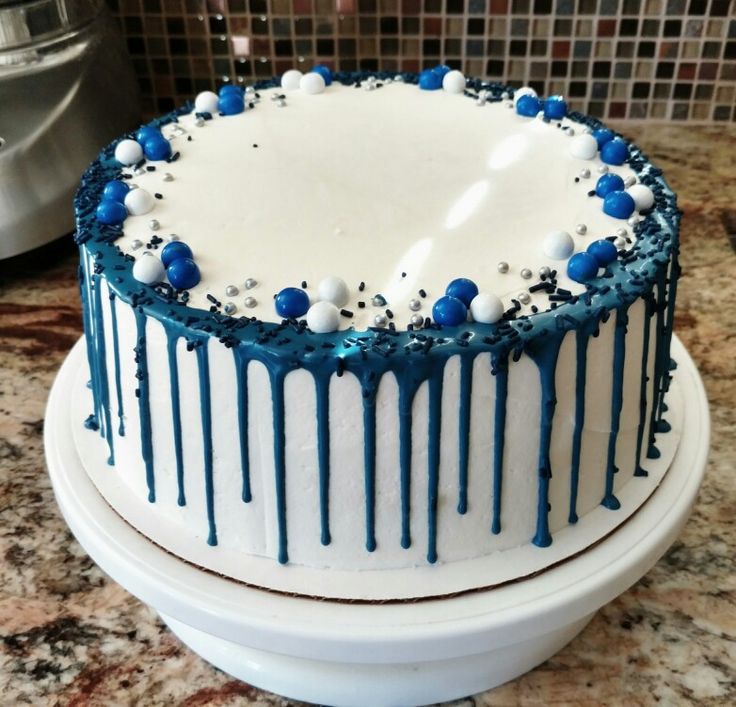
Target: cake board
{"points": [[340, 653]]}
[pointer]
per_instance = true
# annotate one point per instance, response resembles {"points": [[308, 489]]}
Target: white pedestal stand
{"points": [[378, 654]]}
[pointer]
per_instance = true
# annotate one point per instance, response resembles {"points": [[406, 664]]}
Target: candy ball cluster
{"points": [[461, 296]]}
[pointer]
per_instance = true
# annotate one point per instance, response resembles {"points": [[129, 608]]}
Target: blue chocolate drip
{"points": [[241, 378], [433, 460], [544, 353], [102, 383], [277, 375], [406, 397], [617, 398], [92, 422], [203, 367], [466, 389], [500, 369], [322, 384], [667, 363], [171, 343], [144, 408], [116, 360], [659, 363], [638, 469], [369, 390]]}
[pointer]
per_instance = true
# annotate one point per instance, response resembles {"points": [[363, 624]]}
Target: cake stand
{"points": [[339, 653]]}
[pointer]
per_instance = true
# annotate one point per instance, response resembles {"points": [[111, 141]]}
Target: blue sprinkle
{"points": [[463, 289], [602, 136], [146, 133], [231, 104], [528, 106], [115, 190], [430, 80], [183, 273], [292, 302], [608, 183], [175, 250], [619, 204], [325, 73], [555, 108], [449, 311], [111, 212], [603, 251], [582, 267], [157, 148], [615, 151]]}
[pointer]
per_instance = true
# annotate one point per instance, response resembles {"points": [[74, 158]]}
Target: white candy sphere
{"points": [[138, 202], [525, 91], [642, 195], [206, 102], [312, 83], [128, 152], [149, 270], [453, 82], [486, 308], [333, 289], [291, 79], [584, 147], [558, 245], [323, 317]]}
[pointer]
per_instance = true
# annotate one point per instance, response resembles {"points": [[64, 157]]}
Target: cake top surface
{"points": [[391, 193]]}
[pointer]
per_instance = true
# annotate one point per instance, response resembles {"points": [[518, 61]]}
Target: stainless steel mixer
{"points": [[66, 89]]}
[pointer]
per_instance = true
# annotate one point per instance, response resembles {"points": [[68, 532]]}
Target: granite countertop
{"points": [[72, 636]]}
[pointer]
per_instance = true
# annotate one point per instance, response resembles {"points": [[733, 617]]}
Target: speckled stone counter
{"points": [[71, 636]]}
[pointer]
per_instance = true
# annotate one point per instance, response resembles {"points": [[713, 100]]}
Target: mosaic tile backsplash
{"points": [[655, 59]]}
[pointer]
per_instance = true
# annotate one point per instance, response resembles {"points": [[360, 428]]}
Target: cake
{"points": [[370, 327]]}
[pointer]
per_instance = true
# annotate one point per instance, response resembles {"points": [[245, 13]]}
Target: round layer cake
{"points": [[363, 323]]}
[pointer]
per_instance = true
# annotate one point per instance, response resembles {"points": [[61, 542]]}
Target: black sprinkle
{"points": [[159, 196], [403, 274], [389, 314], [346, 313], [422, 293], [591, 192], [174, 157], [577, 179], [150, 168], [361, 286], [255, 144], [304, 284], [361, 305], [211, 298], [189, 138]]}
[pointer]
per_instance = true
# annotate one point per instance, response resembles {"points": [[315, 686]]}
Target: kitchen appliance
{"points": [[66, 89]]}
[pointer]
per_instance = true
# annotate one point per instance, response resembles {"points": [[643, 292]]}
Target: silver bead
{"points": [[416, 320], [569, 131], [138, 171], [154, 225], [581, 229], [505, 95], [250, 90], [379, 320], [168, 177], [369, 86], [524, 297], [132, 185], [415, 305], [250, 302], [544, 271], [526, 273], [480, 101], [199, 122], [399, 78], [136, 244], [503, 267], [588, 130], [231, 291], [633, 220], [509, 104], [620, 242], [229, 308], [630, 181], [603, 169], [173, 237], [622, 232], [281, 103], [585, 173], [275, 97], [250, 283]]}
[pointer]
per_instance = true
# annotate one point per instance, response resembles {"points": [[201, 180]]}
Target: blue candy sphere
{"points": [[602, 136], [555, 107], [441, 70], [175, 250], [231, 104], [615, 151], [582, 267], [528, 106], [146, 133], [608, 183], [430, 80], [292, 302], [449, 311], [603, 251], [157, 148], [229, 90], [619, 204], [463, 289], [115, 190], [111, 212], [183, 273], [325, 73]]}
